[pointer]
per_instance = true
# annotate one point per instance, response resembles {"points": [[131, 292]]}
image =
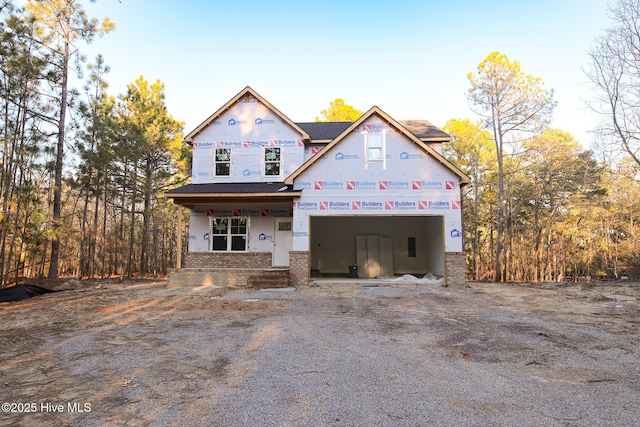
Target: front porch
{"points": [[240, 270]]}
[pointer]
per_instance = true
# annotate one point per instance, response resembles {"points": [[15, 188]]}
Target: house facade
{"points": [[372, 198]]}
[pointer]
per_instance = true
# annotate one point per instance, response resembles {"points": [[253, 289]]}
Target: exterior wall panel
{"points": [[245, 128], [409, 182]]}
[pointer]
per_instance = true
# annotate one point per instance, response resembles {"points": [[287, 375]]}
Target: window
{"points": [[284, 226], [222, 162], [272, 161], [238, 234], [228, 234], [375, 148]]}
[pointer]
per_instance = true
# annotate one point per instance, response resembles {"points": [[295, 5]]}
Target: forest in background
{"points": [[83, 172], [570, 213]]}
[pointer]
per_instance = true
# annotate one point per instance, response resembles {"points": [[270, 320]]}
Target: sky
{"points": [[410, 58]]}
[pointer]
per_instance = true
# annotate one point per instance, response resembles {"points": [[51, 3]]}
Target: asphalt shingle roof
{"points": [[232, 187], [423, 129], [324, 130], [327, 131]]}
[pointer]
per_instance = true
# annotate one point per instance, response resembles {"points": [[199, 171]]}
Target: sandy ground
{"points": [[335, 354]]}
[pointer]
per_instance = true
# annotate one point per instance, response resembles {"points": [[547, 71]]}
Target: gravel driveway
{"points": [[335, 354]]}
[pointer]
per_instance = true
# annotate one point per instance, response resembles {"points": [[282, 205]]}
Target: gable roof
{"points": [[375, 111], [243, 93]]}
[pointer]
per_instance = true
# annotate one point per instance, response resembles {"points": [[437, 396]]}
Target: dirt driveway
{"points": [[332, 355]]}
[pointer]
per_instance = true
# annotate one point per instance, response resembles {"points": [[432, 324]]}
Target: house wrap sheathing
{"points": [[373, 198]]}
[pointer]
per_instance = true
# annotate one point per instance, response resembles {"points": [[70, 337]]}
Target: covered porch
{"points": [[239, 234]]}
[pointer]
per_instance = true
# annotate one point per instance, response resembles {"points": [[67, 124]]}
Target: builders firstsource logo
{"points": [[328, 185], [334, 206], [203, 145], [361, 185], [375, 128], [394, 185], [438, 205], [306, 206], [366, 206], [433, 185], [400, 205], [427, 185]]}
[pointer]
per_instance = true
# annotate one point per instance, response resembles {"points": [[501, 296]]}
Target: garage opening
{"points": [[379, 246]]}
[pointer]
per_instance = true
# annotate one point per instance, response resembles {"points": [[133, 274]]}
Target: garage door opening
{"points": [[379, 246]]}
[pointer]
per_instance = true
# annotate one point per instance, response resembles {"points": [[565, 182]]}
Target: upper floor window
{"points": [[272, 160], [222, 161], [375, 148]]}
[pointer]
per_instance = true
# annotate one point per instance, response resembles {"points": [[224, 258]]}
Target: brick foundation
{"points": [[226, 277], [299, 268], [456, 269], [223, 269], [236, 269], [209, 277], [227, 260]]}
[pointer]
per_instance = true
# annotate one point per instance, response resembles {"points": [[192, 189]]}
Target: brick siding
{"points": [[456, 265], [209, 277], [227, 260], [299, 268], [235, 269]]}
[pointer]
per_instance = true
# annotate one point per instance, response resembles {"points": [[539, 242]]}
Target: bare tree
{"points": [[615, 73]]}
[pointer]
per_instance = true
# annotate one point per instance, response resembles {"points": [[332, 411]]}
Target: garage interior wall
{"points": [[333, 242]]}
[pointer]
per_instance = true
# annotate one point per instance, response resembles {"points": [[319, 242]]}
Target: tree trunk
{"points": [[57, 183], [104, 231], [146, 218], [93, 239], [476, 225], [130, 266], [499, 274]]}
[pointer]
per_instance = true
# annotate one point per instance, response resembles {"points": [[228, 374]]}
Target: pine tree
{"points": [[62, 24]]}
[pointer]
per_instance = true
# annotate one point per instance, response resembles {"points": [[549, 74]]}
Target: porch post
{"points": [[179, 260]]}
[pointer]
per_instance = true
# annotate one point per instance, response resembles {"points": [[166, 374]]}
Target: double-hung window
{"points": [[228, 234], [375, 148], [222, 161], [272, 161]]}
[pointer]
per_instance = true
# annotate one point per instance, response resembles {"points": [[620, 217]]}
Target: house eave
{"points": [[191, 198]]}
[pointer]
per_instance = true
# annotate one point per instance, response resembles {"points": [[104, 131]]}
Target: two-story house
{"points": [[374, 198]]}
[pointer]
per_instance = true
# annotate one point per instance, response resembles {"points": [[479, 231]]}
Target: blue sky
{"points": [[409, 57]]}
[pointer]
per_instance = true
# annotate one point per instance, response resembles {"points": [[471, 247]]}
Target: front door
{"points": [[283, 242]]}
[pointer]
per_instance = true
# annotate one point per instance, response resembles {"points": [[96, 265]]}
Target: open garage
{"points": [[379, 245]]}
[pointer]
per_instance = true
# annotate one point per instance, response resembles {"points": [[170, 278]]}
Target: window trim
{"points": [[382, 149], [264, 161], [215, 160]]}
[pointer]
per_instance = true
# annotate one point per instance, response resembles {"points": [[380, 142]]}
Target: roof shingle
{"points": [[327, 131], [230, 188]]}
